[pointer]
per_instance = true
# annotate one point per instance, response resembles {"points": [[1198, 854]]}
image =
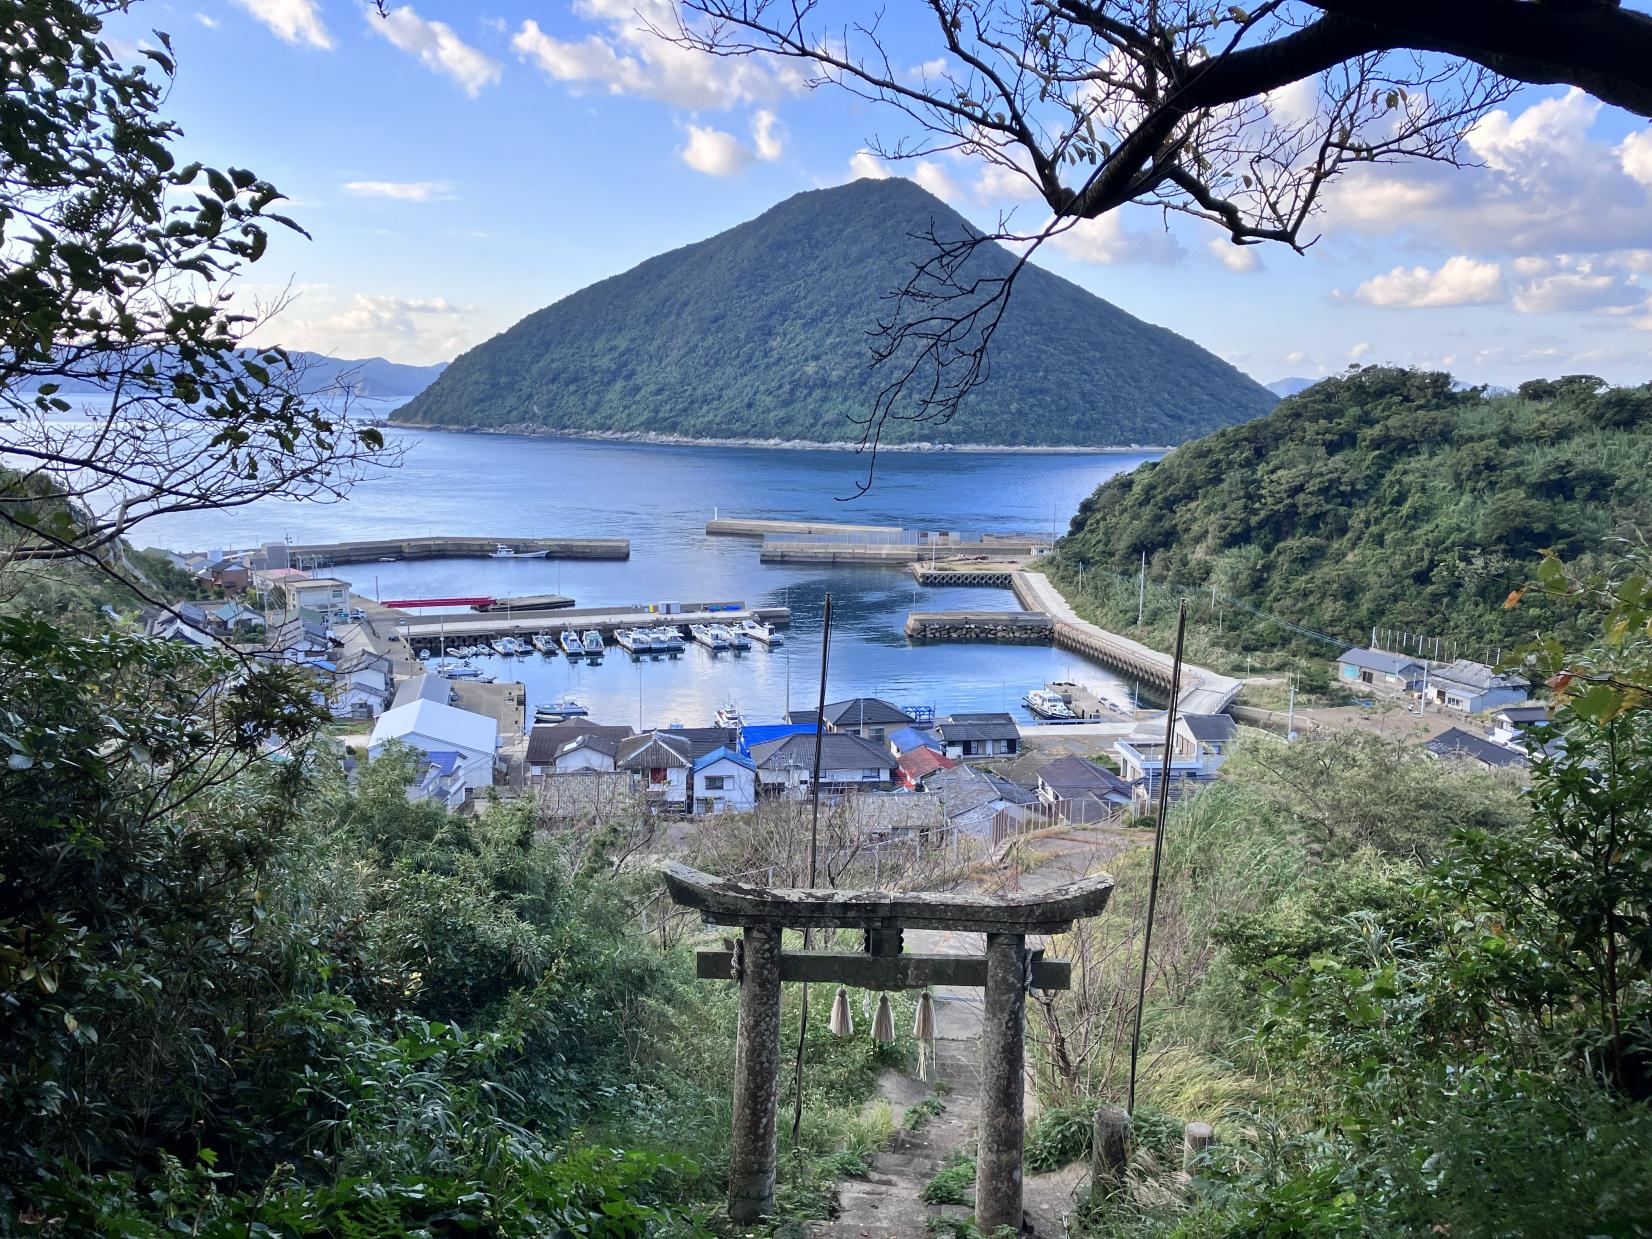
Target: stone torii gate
{"points": [[1006, 971]]}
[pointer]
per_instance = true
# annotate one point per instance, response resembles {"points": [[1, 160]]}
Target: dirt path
{"points": [[888, 1203]]}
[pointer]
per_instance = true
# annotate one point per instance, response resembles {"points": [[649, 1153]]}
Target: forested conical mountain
{"points": [[762, 332], [1388, 498]]}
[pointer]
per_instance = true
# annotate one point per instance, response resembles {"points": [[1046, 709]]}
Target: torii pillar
{"points": [[1006, 971]]}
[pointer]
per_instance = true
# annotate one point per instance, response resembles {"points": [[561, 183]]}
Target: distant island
{"points": [[762, 334], [364, 378]]}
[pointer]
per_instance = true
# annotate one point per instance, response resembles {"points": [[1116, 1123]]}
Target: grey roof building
{"points": [[1455, 742]]}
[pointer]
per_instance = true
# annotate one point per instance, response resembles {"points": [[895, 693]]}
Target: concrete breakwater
{"points": [[983, 577], [1022, 627], [739, 527], [322, 554]]}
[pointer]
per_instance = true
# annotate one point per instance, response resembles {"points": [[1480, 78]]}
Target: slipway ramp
{"points": [[1204, 691]]}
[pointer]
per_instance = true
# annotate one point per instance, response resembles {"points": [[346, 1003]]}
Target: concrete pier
{"points": [[734, 527], [323, 554], [1021, 627], [431, 631]]}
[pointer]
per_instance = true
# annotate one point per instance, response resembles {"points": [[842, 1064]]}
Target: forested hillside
{"points": [[764, 332], [1386, 497]]}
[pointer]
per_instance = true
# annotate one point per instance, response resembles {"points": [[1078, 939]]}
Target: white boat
{"points": [[505, 647], [592, 642], [569, 640], [708, 636], [463, 671], [566, 707], [1046, 704], [543, 644], [736, 639], [502, 551], [668, 639], [728, 716], [424, 656], [626, 639], [761, 632]]}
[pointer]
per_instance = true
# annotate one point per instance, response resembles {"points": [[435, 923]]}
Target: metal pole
{"points": [[814, 853], [1141, 591], [1158, 848]]}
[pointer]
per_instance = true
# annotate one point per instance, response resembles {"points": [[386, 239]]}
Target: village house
{"points": [[659, 763], [1472, 687], [975, 737], [973, 800], [591, 752], [442, 732], [1206, 738], [326, 595], [1141, 765], [724, 782], [915, 765], [361, 685], [1463, 745], [870, 718], [546, 740], [1071, 779], [785, 766], [1380, 672], [905, 739]]}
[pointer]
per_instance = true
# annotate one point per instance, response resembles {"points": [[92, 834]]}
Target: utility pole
{"points": [[1141, 590], [1290, 713]]}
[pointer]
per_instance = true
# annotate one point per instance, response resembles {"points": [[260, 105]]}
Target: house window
{"points": [[716, 782], [877, 733]]}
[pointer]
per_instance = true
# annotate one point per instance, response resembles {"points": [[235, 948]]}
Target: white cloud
{"points": [[997, 181], [936, 180], [415, 330], [1359, 350], [437, 47], [211, 23], [1459, 281], [1106, 242], [1601, 285], [1296, 358], [1545, 186], [1635, 154], [1240, 258], [293, 21], [863, 164], [768, 135], [1293, 105], [402, 191], [628, 58], [713, 152]]}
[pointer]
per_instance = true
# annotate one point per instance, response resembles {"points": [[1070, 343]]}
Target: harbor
{"points": [[432, 633]]}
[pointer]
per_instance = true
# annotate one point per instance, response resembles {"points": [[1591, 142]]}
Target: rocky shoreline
{"points": [[808, 445]]}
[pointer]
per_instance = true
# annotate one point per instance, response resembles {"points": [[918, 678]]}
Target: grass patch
{"points": [[917, 1117], [953, 1182]]}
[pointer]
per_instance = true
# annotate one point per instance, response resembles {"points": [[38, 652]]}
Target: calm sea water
{"points": [[661, 497]]}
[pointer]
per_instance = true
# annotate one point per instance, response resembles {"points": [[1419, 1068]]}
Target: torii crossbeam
{"points": [[1006, 971]]}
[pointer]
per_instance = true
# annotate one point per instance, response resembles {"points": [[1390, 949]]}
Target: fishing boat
{"points": [[505, 647], [1046, 704], [502, 551], [592, 641], [761, 632], [728, 717], [424, 656], [463, 671], [737, 640], [626, 639], [569, 640], [543, 644], [668, 639], [708, 636], [565, 707]]}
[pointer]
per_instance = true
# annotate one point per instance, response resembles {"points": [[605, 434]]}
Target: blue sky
{"points": [[466, 163]]}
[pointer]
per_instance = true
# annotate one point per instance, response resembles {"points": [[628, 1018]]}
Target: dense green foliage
{"points": [[1438, 1025], [763, 332], [1385, 498], [242, 995]]}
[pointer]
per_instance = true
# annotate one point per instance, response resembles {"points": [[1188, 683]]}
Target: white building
{"points": [[437, 730], [847, 762], [724, 782]]}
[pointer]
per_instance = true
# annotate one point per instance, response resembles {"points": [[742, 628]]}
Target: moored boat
{"points": [[1046, 704], [503, 551], [592, 642], [736, 639], [543, 644], [728, 716], [626, 639], [708, 636], [569, 640], [761, 632], [565, 707]]}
